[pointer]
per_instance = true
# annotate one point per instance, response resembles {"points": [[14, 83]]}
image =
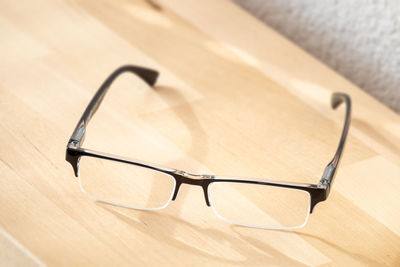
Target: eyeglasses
{"points": [[139, 185]]}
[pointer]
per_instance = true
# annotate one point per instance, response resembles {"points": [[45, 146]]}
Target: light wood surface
{"points": [[234, 98]]}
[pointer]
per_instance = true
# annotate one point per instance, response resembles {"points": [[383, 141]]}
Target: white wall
{"points": [[359, 39]]}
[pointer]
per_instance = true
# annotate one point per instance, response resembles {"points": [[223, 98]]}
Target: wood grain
{"points": [[234, 98]]}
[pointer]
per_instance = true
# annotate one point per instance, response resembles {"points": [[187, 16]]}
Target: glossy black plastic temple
{"points": [[318, 192]]}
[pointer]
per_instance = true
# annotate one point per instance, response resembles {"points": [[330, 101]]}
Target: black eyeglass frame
{"points": [[74, 151]]}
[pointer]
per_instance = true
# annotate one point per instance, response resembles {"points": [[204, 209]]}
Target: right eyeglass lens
{"points": [[258, 205], [125, 184]]}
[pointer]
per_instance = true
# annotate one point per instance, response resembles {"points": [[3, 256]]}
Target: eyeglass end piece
{"points": [[73, 160]]}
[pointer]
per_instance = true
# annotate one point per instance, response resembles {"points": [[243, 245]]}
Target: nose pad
{"points": [[205, 190], [179, 182], [177, 186]]}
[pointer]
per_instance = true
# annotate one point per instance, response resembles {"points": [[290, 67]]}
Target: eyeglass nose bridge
{"points": [[182, 177]]}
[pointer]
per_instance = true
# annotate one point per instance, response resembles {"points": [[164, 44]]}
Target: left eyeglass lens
{"points": [[258, 205], [125, 184]]}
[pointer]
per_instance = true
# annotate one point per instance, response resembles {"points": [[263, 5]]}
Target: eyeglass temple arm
{"points": [[330, 170], [147, 75]]}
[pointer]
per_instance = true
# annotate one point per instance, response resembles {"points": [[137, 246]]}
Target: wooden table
{"points": [[234, 98]]}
